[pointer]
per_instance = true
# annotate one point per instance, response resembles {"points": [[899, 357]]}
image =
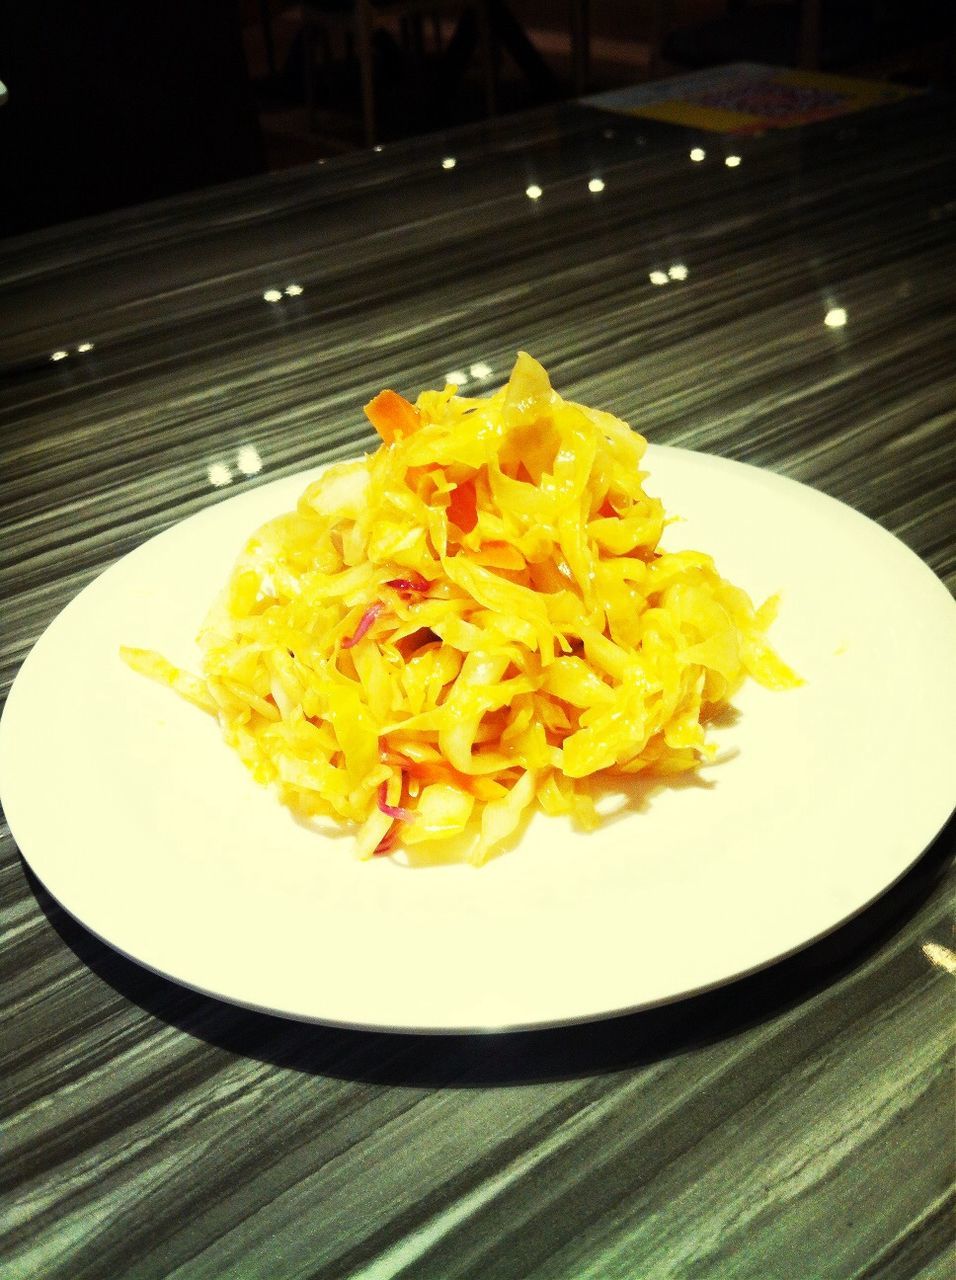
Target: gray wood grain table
{"points": [[795, 1124]]}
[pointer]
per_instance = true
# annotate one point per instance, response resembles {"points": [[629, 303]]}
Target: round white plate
{"points": [[146, 828]]}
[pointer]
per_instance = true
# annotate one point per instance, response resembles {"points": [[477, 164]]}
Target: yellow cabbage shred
{"points": [[473, 620]]}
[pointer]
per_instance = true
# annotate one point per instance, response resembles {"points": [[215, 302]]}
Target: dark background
{"points": [[115, 102]]}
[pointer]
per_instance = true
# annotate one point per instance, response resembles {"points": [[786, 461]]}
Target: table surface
{"points": [[796, 1124]]}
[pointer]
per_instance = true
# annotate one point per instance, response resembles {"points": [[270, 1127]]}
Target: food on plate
{"points": [[473, 621]]}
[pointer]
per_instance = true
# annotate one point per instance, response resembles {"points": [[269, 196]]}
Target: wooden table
{"points": [[793, 1126]]}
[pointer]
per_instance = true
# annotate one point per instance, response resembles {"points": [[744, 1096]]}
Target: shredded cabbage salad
{"points": [[472, 621]]}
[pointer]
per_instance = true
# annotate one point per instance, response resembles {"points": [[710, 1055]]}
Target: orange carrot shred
{"points": [[463, 506], [392, 416], [500, 555]]}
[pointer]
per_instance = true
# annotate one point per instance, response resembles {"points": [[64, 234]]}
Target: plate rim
{"points": [[255, 496]]}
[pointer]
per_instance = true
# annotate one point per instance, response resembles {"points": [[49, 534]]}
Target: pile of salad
{"points": [[473, 621]]}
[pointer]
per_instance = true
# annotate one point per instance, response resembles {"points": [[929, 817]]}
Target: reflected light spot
{"points": [[59, 355], [273, 295], [940, 956], [377, 147], [85, 346], [480, 370], [293, 290], [449, 162], [457, 377], [658, 277], [835, 318], [248, 460], [219, 474], [698, 154], [732, 161], [533, 192], [596, 185], [678, 271]]}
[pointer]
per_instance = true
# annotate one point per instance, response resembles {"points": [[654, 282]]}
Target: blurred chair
{"points": [[354, 22], [489, 27], [508, 33], [829, 34], [786, 34]]}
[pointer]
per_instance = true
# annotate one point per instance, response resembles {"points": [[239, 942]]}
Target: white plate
{"points": [[149, 831]]}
